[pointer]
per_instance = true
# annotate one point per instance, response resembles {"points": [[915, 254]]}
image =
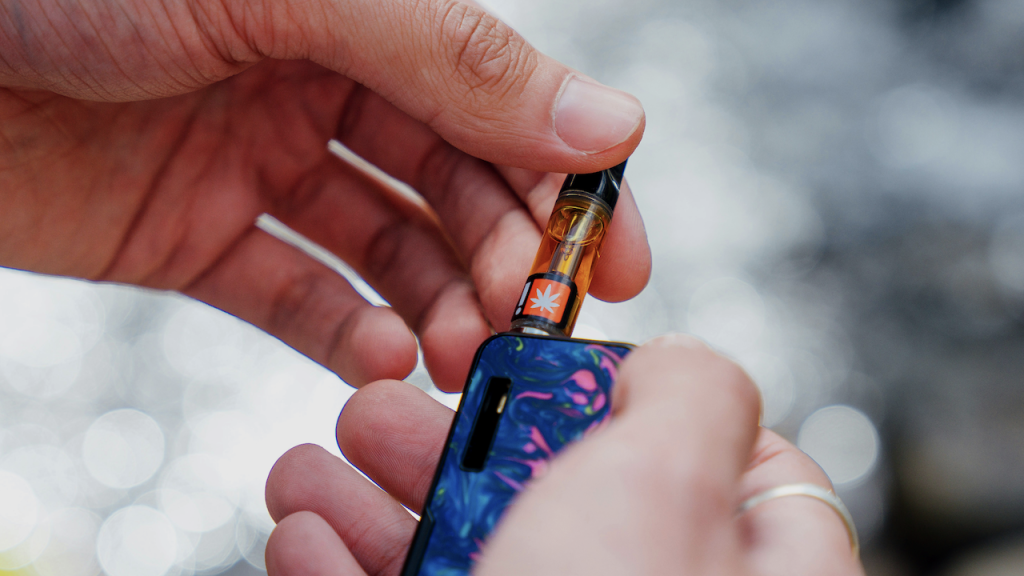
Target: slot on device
{"points": [[482, 436]]}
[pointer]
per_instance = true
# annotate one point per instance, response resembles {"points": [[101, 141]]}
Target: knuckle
{"points": [[485, 54], [293, 294], [340, 356], [384, 249], [232, 30]]}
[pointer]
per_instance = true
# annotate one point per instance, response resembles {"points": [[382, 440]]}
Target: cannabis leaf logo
{"points": [[546, 301]]}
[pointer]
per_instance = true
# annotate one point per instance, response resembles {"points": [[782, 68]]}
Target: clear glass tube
{"points": [[564, 263]]}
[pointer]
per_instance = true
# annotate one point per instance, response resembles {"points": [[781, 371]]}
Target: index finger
{"points": [[705, 407], [494, 215]]}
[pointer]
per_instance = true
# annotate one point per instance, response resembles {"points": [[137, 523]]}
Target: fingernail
{"points": [[591, 118]]}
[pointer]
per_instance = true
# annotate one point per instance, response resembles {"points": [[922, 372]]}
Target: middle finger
{"points": [[404, 258]]}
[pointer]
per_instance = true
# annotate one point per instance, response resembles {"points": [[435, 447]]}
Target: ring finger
{"points": [[792, 535]]}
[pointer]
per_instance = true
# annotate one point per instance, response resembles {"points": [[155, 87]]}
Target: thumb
{"points": [[462, 71]]}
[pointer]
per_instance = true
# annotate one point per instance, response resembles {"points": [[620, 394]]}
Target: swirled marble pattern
{"points": [[560, 392]]}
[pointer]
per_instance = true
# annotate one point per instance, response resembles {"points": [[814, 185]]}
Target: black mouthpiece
{"points": [[604, 184]]}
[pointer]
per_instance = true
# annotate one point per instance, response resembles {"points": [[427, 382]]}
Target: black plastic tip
{"points": [[604, 184]]}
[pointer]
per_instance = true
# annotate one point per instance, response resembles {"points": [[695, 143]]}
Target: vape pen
{"points": [[564, 265]]}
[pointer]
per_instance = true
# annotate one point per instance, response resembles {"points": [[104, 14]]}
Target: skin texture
{"points": [[140, 139], [654, 492]]}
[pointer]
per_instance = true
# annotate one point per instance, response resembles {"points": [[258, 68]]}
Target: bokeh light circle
{"points": [[51, 471], [196, 493], [19, 510], [28, 550], [775, 382], [136, 541], [842, 440], [123, 448], [72, 547]]}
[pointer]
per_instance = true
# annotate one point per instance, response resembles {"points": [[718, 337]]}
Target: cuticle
{"points": [[558, 100]]}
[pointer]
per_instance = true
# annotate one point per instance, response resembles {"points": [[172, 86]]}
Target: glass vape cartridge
{"points": [[564, 265]]}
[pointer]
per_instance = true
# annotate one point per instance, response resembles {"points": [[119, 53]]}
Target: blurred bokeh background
{"points": [[834, 192]]}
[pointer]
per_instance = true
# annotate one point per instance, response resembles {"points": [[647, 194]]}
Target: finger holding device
{"points": [[682, 481], [530, 392]]}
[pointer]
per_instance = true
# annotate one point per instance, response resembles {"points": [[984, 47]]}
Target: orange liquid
{"points": [[571, 244]]}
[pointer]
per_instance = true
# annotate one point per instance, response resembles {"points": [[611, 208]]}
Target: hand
{"points": [[140, 139], [655, 492]]}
